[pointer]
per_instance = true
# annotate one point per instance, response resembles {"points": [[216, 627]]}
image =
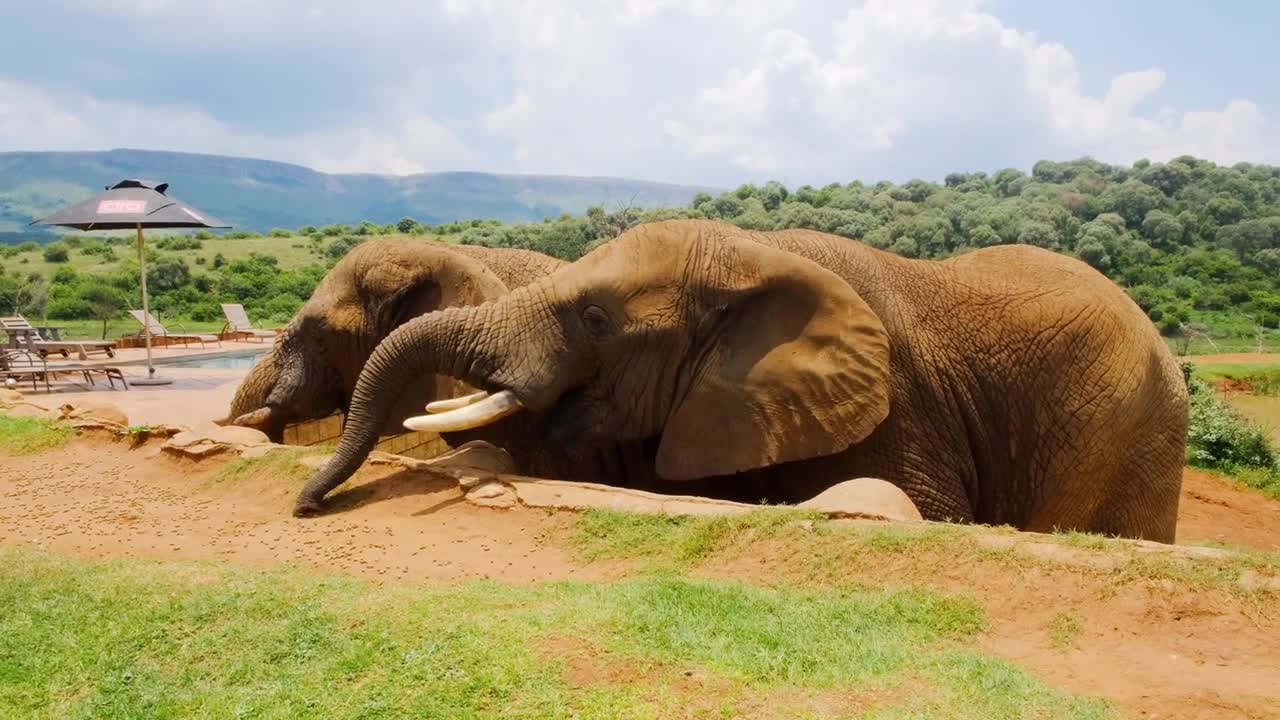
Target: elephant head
{"points": [[731, 354], [312, 368]]}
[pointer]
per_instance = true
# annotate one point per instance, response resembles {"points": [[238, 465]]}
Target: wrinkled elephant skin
{"points": [[312, 368], [1009, 385]]}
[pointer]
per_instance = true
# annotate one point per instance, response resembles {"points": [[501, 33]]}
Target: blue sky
{"points": [[696, 91]]}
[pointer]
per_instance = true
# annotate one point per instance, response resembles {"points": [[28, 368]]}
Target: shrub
{"points": [[1220, 438], [178, 242], [56, 252]]}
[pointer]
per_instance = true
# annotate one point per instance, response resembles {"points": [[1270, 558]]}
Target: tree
{"points": [[105, 302], [1131, 200], [1167, 178], [1009, 182], [167, 273], [406, 225], [24, 293], [1163, 228]]}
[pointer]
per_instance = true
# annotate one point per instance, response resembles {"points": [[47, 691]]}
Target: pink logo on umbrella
{"points": [[122, 207]]}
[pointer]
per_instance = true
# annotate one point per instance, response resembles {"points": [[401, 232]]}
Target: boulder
{"points": [[865, 498], [94, 410], [210, 439], [220, 434], [493, 493]]}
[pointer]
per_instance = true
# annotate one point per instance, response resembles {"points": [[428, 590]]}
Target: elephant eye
{"points": [[596, 321]]}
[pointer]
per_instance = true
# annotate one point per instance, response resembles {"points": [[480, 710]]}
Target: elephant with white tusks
{"points": [[1010, 385], [312, 368]]}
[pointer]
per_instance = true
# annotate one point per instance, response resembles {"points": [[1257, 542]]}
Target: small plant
{"points": [[1063, 630], [137, 434]]}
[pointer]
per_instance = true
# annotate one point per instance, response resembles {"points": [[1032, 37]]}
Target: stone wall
{"points": [[328, 430]]}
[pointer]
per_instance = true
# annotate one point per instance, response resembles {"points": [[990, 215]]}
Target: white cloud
{"points": [[686, 90], [35, 119], [899, 67]]}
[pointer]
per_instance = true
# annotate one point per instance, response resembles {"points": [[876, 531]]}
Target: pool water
{"points": [[239, 360]]}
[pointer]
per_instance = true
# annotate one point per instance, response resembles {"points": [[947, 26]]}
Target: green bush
{"points": [[1220, 438], [56, 252]]}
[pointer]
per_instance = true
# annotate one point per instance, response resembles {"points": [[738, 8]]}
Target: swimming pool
{"points": [[243, 359]]}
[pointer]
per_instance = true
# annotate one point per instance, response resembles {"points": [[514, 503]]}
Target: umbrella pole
{"points": [[151, 378]]}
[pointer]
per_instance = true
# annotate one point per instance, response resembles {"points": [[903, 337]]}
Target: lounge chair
{"points": [[20, 364], [238, 322], [45, 340], [158, 330]]}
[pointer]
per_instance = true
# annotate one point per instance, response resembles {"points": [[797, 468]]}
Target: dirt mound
{"points": [[1215, 510], [105, 500], [1160, 646]]}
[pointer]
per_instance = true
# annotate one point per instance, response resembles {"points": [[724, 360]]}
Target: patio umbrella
{"points": [[127, 205]]}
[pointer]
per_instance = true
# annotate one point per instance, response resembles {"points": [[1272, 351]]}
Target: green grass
{"points": [[150, 640], [1262, 378], [1245, 343], [813, 549], [280, 465], [92, 329], [283, 249], [676, 539], [27, 436]]}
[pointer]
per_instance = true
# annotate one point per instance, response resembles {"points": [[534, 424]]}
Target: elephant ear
{"points": [[797, 367], [415, 278], [403, 278]]}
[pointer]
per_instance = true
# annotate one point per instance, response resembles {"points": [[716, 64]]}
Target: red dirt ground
{"points": [[1158, 650], [1252, 357]]}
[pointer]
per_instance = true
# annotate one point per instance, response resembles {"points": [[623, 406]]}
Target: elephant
{"points": [[1008, 385], [312, 367]]}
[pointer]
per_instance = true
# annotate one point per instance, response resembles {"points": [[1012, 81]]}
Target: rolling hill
{"points": [[261, 194]]}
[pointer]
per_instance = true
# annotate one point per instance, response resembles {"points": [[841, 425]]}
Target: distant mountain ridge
{"points": [[255, 194]]}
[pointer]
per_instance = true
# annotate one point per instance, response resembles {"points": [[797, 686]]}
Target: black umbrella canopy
{"points": [[128, 204]]}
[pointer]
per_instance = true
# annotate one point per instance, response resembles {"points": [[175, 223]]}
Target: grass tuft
{"points": [[27, 436], [679, 539], [1063, 629], [278, 464]]}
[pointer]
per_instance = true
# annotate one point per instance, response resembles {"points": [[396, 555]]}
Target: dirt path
{"points": [[1158, 650], [102, 500]]}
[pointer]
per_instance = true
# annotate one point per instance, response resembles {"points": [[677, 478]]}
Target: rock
{"points": [[96, 410], [477, 455], [210, 439], [865, 498], [31, 411], [232, 434], [569, 495], [11, 397], [494, 493]]}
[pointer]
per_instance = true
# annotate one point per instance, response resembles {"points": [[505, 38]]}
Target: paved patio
{"points": [[196, 395]]}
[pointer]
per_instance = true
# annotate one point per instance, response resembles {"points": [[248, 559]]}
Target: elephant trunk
{"points": [[250, 402], [270, 387], [446, 342]]}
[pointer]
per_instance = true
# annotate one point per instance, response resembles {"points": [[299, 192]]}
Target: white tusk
{"points": [[440, 406], [490, 409]]}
